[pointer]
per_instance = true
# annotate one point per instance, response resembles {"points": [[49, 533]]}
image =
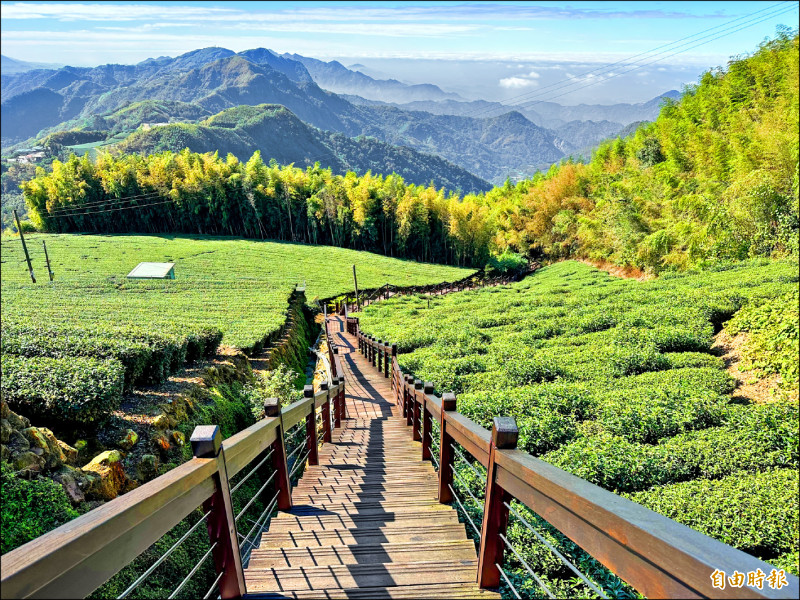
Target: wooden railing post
{"points": [[206, 442], [311, 427], [389, 356], [373, 356], [446, 454], [426, 422], [326, 421], [334, 371], [416, 401], [272, 408], [379, 355], [495, 512], [342, 412], [409, 411]]}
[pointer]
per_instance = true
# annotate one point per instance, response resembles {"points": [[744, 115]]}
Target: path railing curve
{"points": [[75, 559], [658, 557]]}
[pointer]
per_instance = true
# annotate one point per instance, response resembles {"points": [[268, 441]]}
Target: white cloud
{"points": [[533, 75], [516, 82]]}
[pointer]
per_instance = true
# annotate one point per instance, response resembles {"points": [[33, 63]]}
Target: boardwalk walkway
{"points": [[366, 522]]}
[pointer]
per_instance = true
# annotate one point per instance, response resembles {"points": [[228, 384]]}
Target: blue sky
{"points": [[387, 35]]}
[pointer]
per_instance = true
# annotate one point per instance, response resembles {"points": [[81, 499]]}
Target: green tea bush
{"points": [[30, 508], [71, 389], [754, 512], [774, 330]]}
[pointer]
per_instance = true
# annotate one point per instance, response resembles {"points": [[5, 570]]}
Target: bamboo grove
{"points": [[715, 177]]}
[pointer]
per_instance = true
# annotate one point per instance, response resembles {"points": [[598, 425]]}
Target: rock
{"points": [[71, 484], [128, 439], [4, 410], [18, 442], [147, 468], [161, 442], [16, 421], [5, 453], [28, 461], [5, 431], [41, 438], [111, 477], [161, 421], [70, 453], [178, 438]]}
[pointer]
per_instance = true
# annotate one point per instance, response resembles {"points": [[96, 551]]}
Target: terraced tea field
{"points": [[614, 380], [229, 290]]}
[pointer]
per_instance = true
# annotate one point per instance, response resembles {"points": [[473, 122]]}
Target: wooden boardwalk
{"points": [[365, 522]]}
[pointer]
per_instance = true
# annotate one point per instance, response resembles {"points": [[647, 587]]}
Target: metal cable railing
{"points": [[163, 557], [214, 585], [527, 567], [464, 510], [255, 496], [192, 572], [253, 470], [469, 464], [561, 557], [508, 581]]}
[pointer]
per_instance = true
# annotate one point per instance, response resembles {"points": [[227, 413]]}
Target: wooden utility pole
{"points": [[355, 284], [25, 248], [47, 259]]}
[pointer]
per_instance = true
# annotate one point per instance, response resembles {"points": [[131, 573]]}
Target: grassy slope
{"points": [[240, 286], [614, 381]]}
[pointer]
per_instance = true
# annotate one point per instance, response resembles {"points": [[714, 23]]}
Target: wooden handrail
{"points": [[657, 556], [75, 559]]}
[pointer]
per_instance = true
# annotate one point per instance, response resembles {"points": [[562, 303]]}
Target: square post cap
{"points": [[505, 433], [206, 441], [336, 350], [272, 407], [418, 384], [428, 387], [323, 385], [308, 391], [448, 401]]}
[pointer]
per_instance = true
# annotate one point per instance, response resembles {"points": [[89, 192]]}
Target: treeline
{"points": [[204, 193], [715, 177]]}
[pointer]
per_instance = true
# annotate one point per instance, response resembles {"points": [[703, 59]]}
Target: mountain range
{"points": [[491, 140]]}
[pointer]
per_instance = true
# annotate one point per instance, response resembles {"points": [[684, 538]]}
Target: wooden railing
{"points": [[657, 556], [76, 558]]}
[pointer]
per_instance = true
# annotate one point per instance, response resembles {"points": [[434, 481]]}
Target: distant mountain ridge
{"points": [[10, 65], [492, 145], [279, 134]]}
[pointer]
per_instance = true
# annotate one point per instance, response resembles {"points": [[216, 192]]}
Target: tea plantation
{"points": [[614, 380], [72, 345]]}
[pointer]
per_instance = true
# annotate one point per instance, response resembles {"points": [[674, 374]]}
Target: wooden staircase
{"points": [[366, 522]]}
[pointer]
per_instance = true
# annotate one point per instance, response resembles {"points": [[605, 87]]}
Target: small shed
{"points": [[153, 270]]}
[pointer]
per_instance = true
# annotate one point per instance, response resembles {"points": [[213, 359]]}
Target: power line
{"points": [[528, 105], [781, 9], [112, 209], [107, 201]]}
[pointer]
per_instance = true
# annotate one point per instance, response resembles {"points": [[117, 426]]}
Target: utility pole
{"points": [[47, 258], [355, 284], [25, 248]]}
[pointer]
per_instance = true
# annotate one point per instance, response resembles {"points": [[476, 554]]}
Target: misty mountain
{"points": [[279, 134], [12, 65], [574, 136], [337, 78], [492, 144]]}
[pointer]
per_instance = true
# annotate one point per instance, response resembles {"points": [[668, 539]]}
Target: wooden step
{"points": [[288, 522], [360, 554], [367, 507], [438, 591], [374, 496], [309, 487], [378, 535], [359, 576]]}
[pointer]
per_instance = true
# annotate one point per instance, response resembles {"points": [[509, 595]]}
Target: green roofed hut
{"points": [[153, 270]]}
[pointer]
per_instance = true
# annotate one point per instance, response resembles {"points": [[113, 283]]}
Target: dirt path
{"points": [[749, 387]]}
